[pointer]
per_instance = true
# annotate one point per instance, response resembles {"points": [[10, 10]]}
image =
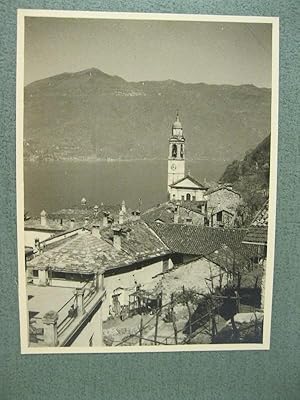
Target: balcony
{"points": [[58, 315]]}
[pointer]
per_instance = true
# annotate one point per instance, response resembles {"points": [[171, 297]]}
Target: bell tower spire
{"points": [[176, 158]]}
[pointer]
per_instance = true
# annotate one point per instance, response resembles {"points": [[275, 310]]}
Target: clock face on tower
{"points": [[173, 167]]}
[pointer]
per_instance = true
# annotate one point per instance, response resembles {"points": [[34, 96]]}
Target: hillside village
{"points": [[187, 271]]}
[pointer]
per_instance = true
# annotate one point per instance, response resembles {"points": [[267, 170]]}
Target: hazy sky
{"points": [[210, 52]]}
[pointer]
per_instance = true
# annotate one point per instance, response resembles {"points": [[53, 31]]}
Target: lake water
{"points": [[62, 184]]}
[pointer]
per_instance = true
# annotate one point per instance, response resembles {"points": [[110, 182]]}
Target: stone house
{"points": [[223, 196], [221, 218], [129, 254]]}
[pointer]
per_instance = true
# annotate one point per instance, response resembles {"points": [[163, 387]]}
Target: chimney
{"points": [[136, 215], [123, 206], [37, 244], [96, 230], [105, 218], [176, 215], [43, 218], [72, 222], [96, 209], [117, 238], [121, 217]]}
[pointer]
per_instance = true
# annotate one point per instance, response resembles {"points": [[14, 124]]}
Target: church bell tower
{"points": [[176, 159]]}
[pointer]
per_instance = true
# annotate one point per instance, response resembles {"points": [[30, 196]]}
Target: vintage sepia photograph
{"points": [[146, 181]]}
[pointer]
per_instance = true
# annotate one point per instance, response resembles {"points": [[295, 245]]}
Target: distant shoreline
{"points": [[92, 160]]}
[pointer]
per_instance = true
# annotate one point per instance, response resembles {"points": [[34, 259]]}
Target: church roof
{"points": [[199, 240], [191, 179]]}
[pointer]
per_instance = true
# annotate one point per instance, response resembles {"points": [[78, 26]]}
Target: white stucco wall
{"points": [[177, 193], [31, 235], [127, 280], [61, 282]]}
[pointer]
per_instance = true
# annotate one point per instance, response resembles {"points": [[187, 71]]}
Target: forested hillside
{"points": [[250, 176]]}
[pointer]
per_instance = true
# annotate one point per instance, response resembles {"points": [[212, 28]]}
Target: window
{"points": [[188, 197], [174, 151], [219, 216], [60, 275]]}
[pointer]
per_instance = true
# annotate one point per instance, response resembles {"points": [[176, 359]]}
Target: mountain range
{"points": [[90, 114]]}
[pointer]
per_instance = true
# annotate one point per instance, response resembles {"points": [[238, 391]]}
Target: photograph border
{"points": [[23, 314]]}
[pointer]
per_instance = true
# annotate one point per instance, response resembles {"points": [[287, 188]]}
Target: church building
{"points": [[181, 186]]}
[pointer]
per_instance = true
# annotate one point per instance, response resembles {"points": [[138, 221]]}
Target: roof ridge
{"points": [[189, 176], [213, 190]]}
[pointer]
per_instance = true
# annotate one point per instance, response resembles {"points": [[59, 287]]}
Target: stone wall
{"points": [[224, 197]]}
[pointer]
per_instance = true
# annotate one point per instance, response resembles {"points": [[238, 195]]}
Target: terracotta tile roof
{"points": [[261, 218], [225, 257], [163, 212], [257, 235], [199, 240], [258, 230]]}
